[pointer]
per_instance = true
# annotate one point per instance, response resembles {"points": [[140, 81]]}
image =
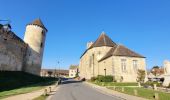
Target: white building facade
{"points": [[73, 72]]}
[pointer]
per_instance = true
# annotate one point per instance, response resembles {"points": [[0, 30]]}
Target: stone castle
{"points": [[22, 55], [105, 57]]}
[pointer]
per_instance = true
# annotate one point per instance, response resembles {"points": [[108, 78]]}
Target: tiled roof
{"points": [[121, 50], [57, 70], [103, 40]]}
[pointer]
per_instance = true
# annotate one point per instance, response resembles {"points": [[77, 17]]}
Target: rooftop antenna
{"points": [[5, 20]]}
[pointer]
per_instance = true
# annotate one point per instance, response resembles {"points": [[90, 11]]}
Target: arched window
{"points": [[41, 45]]}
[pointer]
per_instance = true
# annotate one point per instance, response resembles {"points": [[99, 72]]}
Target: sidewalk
{"points": [[104, 90], [32, 95], [52, 93]]}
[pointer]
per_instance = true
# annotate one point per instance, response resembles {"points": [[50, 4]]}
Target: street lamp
{"points": [[58, 68]]}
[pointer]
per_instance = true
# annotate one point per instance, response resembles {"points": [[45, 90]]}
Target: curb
{"points": [[54, 90], [116, 94]]}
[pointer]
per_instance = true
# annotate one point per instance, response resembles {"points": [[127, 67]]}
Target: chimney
{"points": [[89, 44]]}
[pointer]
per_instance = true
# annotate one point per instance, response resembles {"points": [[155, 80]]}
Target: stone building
{"points": [[105, 57], [22, 55], [54, 72]]}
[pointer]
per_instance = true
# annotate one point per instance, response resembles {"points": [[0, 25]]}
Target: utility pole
{"points": [[58, 68]]}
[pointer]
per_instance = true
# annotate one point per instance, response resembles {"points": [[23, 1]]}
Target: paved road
{"points": [[74, 90]]}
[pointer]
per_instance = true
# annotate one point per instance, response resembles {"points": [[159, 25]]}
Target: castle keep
{"points": [[105, 57], [22, 55]]}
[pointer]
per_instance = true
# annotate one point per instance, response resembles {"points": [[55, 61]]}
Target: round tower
{"points": [[35, 35]]}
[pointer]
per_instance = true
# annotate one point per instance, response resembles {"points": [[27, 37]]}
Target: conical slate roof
{"points": [[103, 40], [38, 22]]}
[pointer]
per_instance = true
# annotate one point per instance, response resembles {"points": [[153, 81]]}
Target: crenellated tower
{"points": [[35, 35]]}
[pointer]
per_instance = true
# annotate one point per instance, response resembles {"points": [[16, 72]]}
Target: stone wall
{"points": [[35, 38], [113, 67], [12, 51], [89, 65]]}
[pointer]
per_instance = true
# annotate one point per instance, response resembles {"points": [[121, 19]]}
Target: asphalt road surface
{"points": [[75, 90]]}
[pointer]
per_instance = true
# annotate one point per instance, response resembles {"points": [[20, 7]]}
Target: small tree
{"points": [[141, 75], [155, 70], [73, 66]]}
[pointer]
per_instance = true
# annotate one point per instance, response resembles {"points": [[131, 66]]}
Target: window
{"points": [[90, 61], [42, 32], [41, 45], [123, 65], [135, 65]]}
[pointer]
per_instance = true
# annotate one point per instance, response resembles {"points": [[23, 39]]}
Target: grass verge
{"points": [[141, 92], [115, 84], [42, 97], [24, 90]]}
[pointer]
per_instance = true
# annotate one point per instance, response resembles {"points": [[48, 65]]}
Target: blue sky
{"points": [[141, 25]]}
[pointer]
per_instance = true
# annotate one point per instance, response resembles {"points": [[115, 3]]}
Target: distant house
{"points": [[157, 71], [73, 71], [105, 57], [54, 73]]}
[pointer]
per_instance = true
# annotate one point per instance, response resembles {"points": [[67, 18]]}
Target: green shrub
{"points": [[108, 78], [100, 78], [93, 79]]}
